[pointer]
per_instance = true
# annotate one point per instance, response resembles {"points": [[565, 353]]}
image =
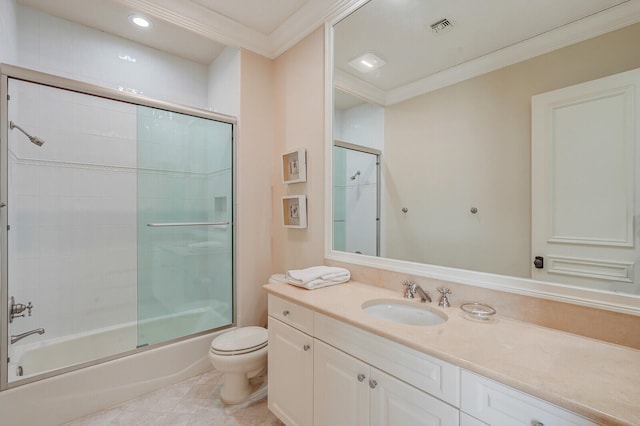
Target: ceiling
{"points": [[484, 36], [200, 29], [478, 28]]}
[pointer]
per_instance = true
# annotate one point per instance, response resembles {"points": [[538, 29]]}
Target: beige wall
{"points": [[282, 108], [255, 144], [299, 106], [469, 145]]}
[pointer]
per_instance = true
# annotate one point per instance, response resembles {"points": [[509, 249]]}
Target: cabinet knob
{"points": [[373, 384], [285, 313], [307, 347], [536, 423], [361, 377]]}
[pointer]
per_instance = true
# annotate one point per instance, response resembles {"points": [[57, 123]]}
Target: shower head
{"points": [[34, 139], [355, 176]]}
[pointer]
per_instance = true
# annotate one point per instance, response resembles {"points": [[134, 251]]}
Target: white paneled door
{"points": [[584, 183]]}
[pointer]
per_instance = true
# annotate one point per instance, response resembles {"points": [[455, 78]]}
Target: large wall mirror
{"points": [[507, 137]]}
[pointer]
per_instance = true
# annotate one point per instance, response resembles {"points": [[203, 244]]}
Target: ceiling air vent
{"points": [[441, 26]]}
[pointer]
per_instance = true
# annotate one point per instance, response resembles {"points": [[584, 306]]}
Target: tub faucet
{"points": [[17, 337], [17, 309], [412, 288]]}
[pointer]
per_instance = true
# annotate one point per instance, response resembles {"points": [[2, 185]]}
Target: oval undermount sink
{"points": [[403, 312]]}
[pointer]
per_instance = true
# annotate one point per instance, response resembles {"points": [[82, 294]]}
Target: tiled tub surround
{"points": [[72, 210], [613, 327], [597, 380]]}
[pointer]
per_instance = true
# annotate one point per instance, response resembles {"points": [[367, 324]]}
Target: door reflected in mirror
{"points": [[451, 116]]}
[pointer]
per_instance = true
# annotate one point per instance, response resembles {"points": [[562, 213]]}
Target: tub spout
{"points": [[17, 337]]}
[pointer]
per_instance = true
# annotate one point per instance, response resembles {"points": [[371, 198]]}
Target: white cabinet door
{"points": [[393, 402], [290, 367], [350, 392], [585, 146], [341, 388]]}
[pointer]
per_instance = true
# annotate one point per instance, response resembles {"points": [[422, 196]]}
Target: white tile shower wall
{"points": [[56, 46], [72, 210], [362, 125], [76, 280]]}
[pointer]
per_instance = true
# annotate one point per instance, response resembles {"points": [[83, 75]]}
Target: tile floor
{"points": [[195, 401]]}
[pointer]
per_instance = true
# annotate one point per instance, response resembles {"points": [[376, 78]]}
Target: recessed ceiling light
{"points": [[140, 21], [367, 62]]}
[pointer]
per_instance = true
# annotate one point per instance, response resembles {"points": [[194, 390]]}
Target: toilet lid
{"points": [[240, 340]]}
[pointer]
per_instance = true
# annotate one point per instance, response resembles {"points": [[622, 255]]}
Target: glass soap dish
{"points": [[478, 311]]}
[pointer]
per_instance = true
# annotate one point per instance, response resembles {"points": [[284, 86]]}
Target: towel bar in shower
{"points": [[158, 225]]}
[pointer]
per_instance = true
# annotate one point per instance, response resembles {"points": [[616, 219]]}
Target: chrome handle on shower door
{"points": [[159, 225]]}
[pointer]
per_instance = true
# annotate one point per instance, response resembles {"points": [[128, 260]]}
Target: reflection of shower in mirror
{"points": [[355, 175]]}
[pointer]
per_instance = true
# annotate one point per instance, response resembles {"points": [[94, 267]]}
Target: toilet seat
{"points": [[240, 341]]}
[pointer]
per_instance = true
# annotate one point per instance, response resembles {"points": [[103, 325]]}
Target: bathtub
{"points": [[45, 356]]}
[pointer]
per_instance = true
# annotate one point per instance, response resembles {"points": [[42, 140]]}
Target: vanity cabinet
{"points": [[350, 392], [323, 371], [290, 363]]}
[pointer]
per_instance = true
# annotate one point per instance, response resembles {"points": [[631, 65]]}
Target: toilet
{"points": [[240, 355]]}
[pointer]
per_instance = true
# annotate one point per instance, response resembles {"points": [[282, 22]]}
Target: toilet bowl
{"points": [[240, 355]]}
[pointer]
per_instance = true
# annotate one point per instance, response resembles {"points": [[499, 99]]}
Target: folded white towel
{"points": [[317, 276]]}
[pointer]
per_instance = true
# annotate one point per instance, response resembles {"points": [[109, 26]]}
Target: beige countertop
{"points": [[598, 380]]}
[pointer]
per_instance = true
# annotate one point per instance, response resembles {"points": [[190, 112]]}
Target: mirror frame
{"points": [[616, 302]]}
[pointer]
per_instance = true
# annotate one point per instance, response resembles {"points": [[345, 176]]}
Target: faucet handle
{"points": [[409, 289], [444, 300], [29, 307]]}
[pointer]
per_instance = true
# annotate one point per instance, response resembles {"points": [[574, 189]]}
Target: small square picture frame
{"points": [[294, 211], [294, 166]]}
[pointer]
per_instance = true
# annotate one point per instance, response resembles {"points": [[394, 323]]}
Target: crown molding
{"points": [[217, 27], [306, 20], [353, 85], [203, 21]]}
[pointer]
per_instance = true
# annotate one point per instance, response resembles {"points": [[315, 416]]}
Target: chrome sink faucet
{"points": [[412, 288]]}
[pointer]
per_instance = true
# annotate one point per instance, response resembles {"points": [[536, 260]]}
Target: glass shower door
{"points": [[117, 230], [185, 243]]}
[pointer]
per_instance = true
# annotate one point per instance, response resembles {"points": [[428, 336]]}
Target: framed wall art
{"points": [[294, 211], [294, 166]]}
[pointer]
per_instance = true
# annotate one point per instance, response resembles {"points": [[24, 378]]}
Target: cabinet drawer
{"points": [[497, 404], [291, 313], [425, 372]]}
